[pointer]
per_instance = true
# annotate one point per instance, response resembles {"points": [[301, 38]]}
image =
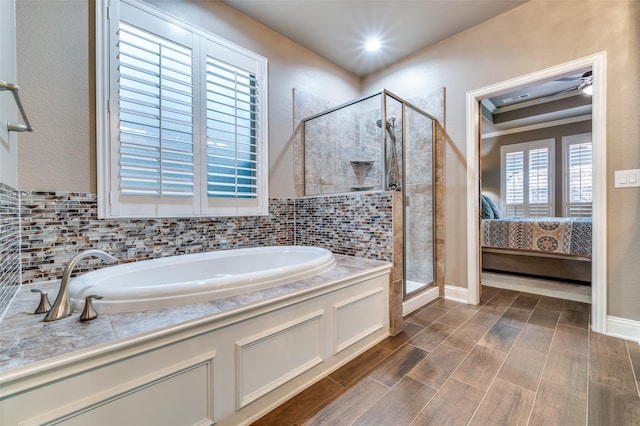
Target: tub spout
{"points": [[62, 306]]}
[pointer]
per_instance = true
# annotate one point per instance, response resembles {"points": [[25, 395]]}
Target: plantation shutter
{"points": [[514, 171], [156, 115], [579, 166], [232, 164], [527, 179], [184, 129], [539, 182]]}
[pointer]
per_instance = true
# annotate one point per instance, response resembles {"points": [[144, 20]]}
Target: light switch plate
{"points": [[627, 178]]}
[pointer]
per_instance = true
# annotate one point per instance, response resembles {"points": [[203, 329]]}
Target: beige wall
{"points": [[56, 69], [53, 67], [8, 145], [532, 37]]}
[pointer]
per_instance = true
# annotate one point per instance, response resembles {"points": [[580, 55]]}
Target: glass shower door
{"points": [[418, 191]]}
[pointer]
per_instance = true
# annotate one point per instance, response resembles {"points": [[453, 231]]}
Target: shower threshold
{"points": [[411, 286]]}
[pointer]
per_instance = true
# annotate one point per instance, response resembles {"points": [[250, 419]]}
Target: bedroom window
{"points": [[577, 160], [527, 179], [184, 131]]}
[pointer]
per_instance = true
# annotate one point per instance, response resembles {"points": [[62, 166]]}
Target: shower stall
{"points": [[380, 143]]}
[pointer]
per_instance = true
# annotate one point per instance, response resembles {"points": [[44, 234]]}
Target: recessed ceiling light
{"points": [[372, 45]]}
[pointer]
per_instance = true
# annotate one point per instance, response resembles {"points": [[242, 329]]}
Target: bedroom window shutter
{"points": [[539, 182], [526, 179], [232, 162], [579, 163], [514, 172], [156, 115]]}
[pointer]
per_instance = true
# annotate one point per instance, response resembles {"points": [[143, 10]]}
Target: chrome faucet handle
{"points": [[44, 305], [89, 312]]}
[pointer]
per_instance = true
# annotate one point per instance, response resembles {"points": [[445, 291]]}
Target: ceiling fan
{"points": [[584, 84]]}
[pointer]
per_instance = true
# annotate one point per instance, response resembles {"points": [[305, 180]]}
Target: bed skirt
{"points": [[563, 268]]}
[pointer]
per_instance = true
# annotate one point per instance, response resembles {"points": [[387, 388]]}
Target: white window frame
{"points": [[112, 204], [566, 142], [526, 147]]}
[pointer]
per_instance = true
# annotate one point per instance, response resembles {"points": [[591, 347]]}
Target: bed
{"points": [[550, 247]]}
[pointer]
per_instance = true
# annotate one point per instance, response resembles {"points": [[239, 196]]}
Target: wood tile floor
{"points": [[515, 359]]}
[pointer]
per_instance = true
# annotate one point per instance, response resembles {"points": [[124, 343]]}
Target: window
{"points": [[184, 132], [527, 179], [577, 160]]}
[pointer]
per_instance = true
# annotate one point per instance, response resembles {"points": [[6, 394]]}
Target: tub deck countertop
{"points": [[26, 341]]}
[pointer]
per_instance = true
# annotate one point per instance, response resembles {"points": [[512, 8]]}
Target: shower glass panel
{"points": [[379, 143], [418, 201], [342, 149], [393, 144]]}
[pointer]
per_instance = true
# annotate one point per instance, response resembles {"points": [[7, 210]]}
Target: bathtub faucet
{"points": [[62, 306]]}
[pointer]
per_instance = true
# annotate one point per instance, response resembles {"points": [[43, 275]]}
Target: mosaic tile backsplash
{"points": [[58, 225], [9, 245], [351, 224]]}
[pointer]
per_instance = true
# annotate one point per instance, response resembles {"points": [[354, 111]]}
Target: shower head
{"points": [[390, 122]]}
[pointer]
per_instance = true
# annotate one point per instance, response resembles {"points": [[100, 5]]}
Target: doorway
{"points": [[597, 63]]}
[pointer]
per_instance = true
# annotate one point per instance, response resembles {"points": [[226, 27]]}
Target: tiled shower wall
{"points": [[56, 226], [334, 141], [9, 245]]}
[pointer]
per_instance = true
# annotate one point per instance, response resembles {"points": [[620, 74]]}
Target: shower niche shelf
{"points": [[361, 169]]}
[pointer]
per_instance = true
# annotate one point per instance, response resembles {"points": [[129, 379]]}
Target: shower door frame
{"points": [[404, 191], [383, 98]]}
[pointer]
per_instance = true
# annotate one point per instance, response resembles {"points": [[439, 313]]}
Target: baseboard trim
{"points": [[623, 328], [458, 294], [419, 300]]}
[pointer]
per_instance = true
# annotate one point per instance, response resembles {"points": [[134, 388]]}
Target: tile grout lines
{"points": [[429, 353], [424, 325], [434, 349], [461, 361], [557, 323], [501, 364], [544, 366], [633, 369]]}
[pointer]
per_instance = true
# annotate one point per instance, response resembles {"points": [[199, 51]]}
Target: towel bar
{"points": [[16, 127]]}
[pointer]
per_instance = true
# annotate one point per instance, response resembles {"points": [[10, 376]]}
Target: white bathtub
{"points": [[179, 280]]}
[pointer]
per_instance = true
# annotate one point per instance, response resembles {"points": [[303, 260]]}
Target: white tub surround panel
{"points": [[356, 318], [229, 361], [261, 366]]}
